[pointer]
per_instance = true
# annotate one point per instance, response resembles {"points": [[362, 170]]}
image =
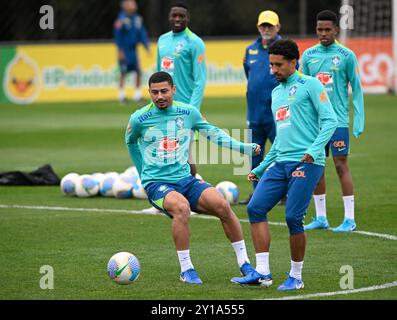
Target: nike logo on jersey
{"points": [[252, 61]]}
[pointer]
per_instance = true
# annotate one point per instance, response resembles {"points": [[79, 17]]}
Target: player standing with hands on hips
{"points": [[336, 66], [305, 121]]}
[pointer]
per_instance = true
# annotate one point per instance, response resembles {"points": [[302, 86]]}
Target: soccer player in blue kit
{"points": [[305, 121], [129, 31], [336, 66], [158, 137]]}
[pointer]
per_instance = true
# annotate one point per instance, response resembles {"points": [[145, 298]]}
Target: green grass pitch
{"points": [[89, 137]]}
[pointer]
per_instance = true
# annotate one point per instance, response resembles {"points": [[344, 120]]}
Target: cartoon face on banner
{"points": [[21, 81]]}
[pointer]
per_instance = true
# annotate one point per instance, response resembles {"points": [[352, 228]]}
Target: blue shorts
{"points": [[339, 143], [295, 179], [129, 66], [190, 187]]}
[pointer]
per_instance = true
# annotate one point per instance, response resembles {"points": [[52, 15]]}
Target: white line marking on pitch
{"points": [[305, 296], [17, 206], [328, 294]]}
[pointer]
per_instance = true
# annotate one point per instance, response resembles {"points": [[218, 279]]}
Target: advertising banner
{"points": [[89, 72]]}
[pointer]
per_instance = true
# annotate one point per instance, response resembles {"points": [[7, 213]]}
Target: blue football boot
{"points": [[252, 277], [348, 225], [317, 223], [246, 268], [291, 284], [190, 276]]}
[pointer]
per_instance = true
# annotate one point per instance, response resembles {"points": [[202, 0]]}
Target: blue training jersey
{"points": [[336, 66], [305, 121], [260, 82], [158, 140], [182, 55], [128, 32]]}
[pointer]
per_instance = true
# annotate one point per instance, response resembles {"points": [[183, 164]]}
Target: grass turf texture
{"points": [[89, 137]]}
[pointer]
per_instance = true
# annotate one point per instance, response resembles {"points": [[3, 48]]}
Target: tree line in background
{"points": [[93, 19]]}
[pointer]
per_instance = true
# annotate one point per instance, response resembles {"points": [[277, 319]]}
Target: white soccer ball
{"points": [[123, 268], [131, 171], [123, 185], [106, 186], [229, 191], [86, 186], [98, 177], [68, 184], [138, 191]]}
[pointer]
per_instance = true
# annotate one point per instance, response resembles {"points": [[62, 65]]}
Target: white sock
{"points": [[241, 252], [138, 93], [348, 202], [262, 263], [319, 202], [296, 270], [184, 260], [121, 94]]}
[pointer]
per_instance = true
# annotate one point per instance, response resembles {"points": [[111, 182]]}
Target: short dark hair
{"points": [[161, 77], [327, 15], [287, 48], [180, 5]]}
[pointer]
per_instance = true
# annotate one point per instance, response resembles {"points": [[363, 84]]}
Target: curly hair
{"points": [[286, 48], [327, 15]]}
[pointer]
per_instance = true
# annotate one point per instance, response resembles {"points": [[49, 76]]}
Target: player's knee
{"points": [[341, 168], [255, 213], [223, 210], [295, 224], [180, 210]]}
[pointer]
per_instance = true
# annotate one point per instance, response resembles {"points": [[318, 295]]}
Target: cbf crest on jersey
{"points": [[179, 121], [179, 48], [335, 62], [292, 90]]}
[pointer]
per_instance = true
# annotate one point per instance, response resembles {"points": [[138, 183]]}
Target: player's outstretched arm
{"points": [[220, 137]]}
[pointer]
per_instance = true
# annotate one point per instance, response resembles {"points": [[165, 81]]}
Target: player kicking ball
{"points": [[158, 137], [305, 121]]}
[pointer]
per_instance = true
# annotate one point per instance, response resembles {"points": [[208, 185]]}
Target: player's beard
{"points": [[162, 104]]}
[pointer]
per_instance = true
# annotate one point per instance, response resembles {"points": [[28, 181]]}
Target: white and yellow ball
{"points": [[229, 191], [123, 268]]}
